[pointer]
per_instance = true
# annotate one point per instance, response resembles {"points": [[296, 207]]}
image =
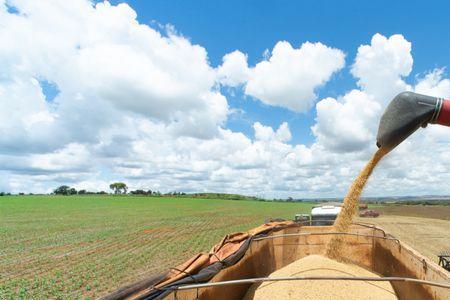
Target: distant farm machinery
{"points": [[325, 213]]}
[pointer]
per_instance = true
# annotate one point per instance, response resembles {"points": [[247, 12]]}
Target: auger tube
{"points": [[406, 113]]}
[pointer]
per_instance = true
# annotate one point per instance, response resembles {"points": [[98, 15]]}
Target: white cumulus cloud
{"points": [[288, 78], [266, 133], [103, 63], [381, 66], [433, 84], [347, 124], [234, 69]]}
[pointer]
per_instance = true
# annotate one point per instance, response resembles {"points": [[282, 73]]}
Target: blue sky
{"points": [[268, 98], [254, 26]]}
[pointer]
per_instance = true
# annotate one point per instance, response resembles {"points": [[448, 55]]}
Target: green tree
{"points": [[62, 190], [118, 187], [65, 190]]}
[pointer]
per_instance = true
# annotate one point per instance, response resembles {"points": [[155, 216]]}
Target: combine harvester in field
{"points": [[292, 260]]}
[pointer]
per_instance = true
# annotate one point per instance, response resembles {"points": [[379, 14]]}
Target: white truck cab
{"points": [[325, 214]]}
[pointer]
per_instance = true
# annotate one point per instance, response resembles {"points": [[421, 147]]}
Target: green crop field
{"points": [[78, 247]]}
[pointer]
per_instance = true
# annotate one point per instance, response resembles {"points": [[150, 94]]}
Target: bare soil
{"points": [[426, 235], [423, 211]]}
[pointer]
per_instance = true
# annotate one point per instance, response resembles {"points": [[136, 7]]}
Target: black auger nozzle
{"points": [[404, 115]]}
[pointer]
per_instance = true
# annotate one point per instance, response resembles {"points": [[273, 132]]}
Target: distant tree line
{"points": [[142, 192], [225, 196], [175, 194], [67, 191], [118, 188]]}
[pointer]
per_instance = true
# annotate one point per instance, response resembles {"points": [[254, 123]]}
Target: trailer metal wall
{"points": [[375, 251]]}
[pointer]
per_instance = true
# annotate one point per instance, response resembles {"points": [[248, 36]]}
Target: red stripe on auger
{"points": [[444, 114]]}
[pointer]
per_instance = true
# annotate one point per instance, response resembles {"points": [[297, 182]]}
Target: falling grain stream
{"points": [[350, 206]]}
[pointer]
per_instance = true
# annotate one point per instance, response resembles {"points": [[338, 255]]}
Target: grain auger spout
{"points": [[406, 113]]}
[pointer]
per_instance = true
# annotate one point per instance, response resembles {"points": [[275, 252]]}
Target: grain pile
{"points": [[316, 265], [350, 207]]}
